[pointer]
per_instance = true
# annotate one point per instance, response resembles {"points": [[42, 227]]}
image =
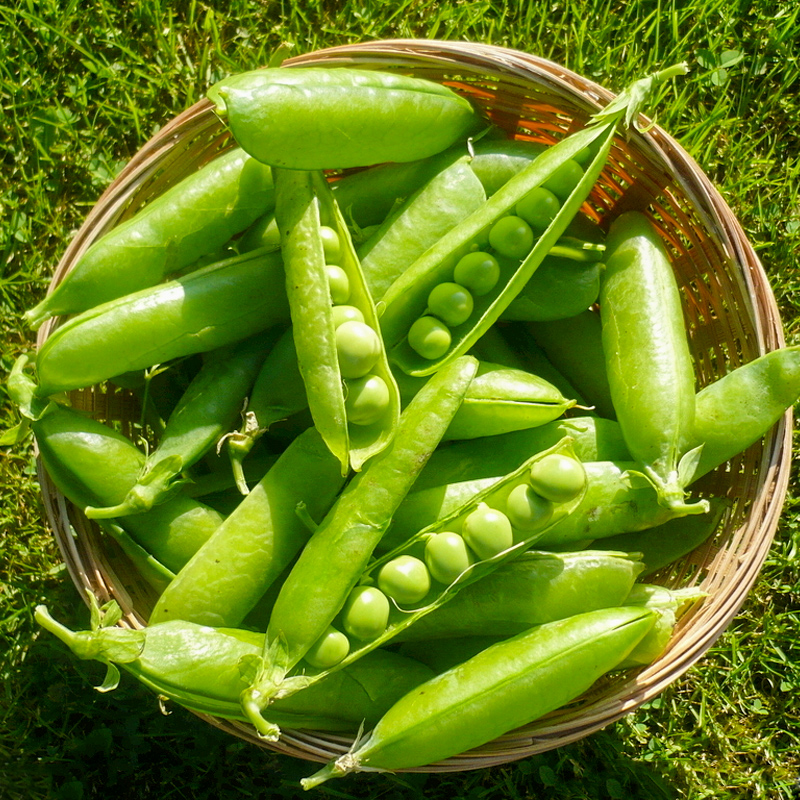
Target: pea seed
{"points": [[367, 399], [345, 313], [478, 271], [487, 531], [405, 579], [527, 510], [329, 649], [358, 348], [450, 302], [446, 556], [366, 612], [564, 179], [538, 208], [338, 283], [511, 236], [558, 477], [331, 245], [429, 337]]}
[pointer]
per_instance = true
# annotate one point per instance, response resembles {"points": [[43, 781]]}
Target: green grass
{"points": [[84, 85]]}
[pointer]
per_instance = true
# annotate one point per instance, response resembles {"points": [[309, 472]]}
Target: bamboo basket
{"points": [[730, 310]]}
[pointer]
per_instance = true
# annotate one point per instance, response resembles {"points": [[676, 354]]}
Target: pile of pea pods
{"points": [[415, 429]]}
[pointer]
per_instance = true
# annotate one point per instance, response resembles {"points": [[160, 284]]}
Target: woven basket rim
{"points": [[709, 620]]}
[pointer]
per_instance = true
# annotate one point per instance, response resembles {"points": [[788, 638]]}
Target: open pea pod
{"points": [[420, 336], [352, 394], [495, 525]]}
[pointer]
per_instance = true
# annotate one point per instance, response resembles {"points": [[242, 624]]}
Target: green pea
{"points": [[405, 579], [366, 612], [329, 649], [478, 271], [487, 531], [345, 313], [338, 283], [446, 556], [429, 338], [367, 399], [450, 302], [527, 510], [564, 179], [538, 208], [558, 477], [331, 245], [511, 236], [358, 348]]}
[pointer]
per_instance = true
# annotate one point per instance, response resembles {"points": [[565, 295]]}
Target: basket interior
{"points": [[729, 308]]}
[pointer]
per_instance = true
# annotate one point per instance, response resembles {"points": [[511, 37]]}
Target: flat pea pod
{"points": [[574, 346], [406, 299], [214, 306], [500, 400], [191, 219], [205, 669], [316, 118], [534, 588], [303, 200], [204, 414], [92, 464], [504, 687], [648, 361], [334, 559], [419, 223], [228, 575], [278, 392]]}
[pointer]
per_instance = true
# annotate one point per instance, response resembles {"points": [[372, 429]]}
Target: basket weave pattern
{"points": [[730, 311]]}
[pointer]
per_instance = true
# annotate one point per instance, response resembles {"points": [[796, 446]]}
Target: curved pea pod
{"points": [[593, 439], [214, 306], [92, 464], [303, 199], [504, 687], [407, 299], [418, 224], [228, 575], [738, 409], [205, 670], [574, 346], [500, 400], [534, 588], [191, 219], [648, 361], [316, 118], [204, 414]]}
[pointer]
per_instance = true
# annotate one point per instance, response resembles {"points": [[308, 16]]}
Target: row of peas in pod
{"points": [[286, 605]]}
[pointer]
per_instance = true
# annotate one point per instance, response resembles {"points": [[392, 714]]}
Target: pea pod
{"points": [[205, 413], [303, 199], [228, 575], [499, 400], [92, 464], [191, 219], [649, 364], [506, 686], [348, 117], [205, 670], [407, 300], [214, 306]]}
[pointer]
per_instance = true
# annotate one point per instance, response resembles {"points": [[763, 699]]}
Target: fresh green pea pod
{"points": [[593, 439], [407, 299], [534, 588], [303, 199], [499, 400], [660, 546], [495, 161], [228, 575], [504, 687], [214, 306], [191, 219], [316, 118], [418, 224], [205, 670], [736, 410], [92, 464], [334, 559], [205, 413], [648, 361], [574, 346]]}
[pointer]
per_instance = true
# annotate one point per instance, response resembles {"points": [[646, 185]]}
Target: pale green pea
{"points": [[446, 556], [450, 302], [429, 337], [331, 245], [367, 399], [487, 531], [328, 650], [527, 510], [405, 579], [338, 283], [558, 477], [366, 612], [478, 271], [358, 348]]}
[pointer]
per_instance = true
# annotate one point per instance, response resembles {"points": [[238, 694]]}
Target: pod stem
{"points": [[334, 769]]}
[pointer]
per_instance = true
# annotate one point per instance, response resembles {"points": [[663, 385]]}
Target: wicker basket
{"points": [[730, 309]]}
